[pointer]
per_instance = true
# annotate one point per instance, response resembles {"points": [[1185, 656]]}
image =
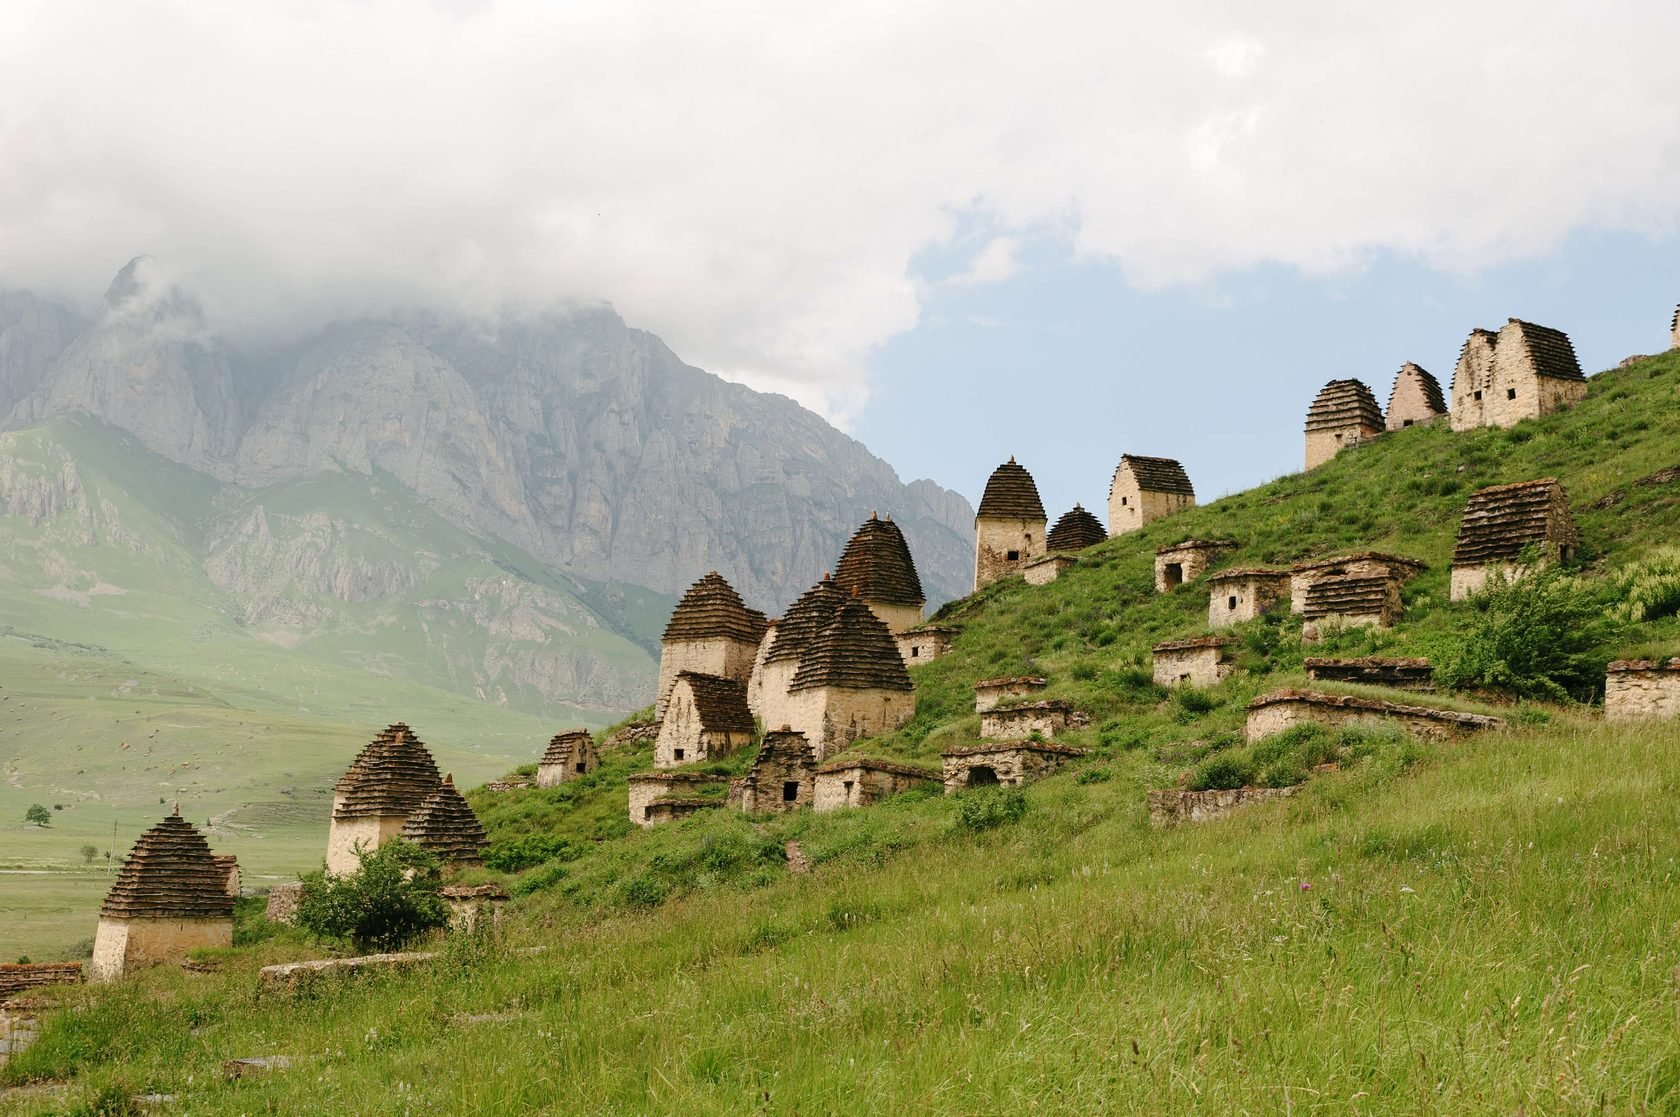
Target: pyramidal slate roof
{"points": [[804, 619], [720, 703], [855, 651], [1076, 530], [876, 565], [445, 826], [1501, 520], [1425, 381], [1550, 351], [563, 746], [711, 609], [1156, 475], [1010, 495], [170, 874], [389, 778], [1344, 403]]}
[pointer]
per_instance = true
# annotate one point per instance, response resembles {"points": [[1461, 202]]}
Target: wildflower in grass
{"points": [[1305, 886]]}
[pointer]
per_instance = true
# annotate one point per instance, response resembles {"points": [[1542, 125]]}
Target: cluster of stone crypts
{"points": [[169, 898], [386, 783], [1178, 563], [1521, 372], [1201, 661], [1243, 593], [1501, 522], [1400, 673], [1273, 713], [1343, 414], [1006, 763], [877, 568], [1144, 490], [711, 632], [569, 755], [706, 718], [1637, 689], [1026, 719], [1009, 525], [1416, 399], [446, 827]]}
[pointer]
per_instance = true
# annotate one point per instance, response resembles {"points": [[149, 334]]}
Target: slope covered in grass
{"points": [[1460, 928]]}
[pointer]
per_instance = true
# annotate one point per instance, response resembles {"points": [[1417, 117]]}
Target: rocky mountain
{"points": [[572, 436]]}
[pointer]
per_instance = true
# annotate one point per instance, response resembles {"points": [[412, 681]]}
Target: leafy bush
{"points": [[37, 815], [1543, 635], [1649, 588], [989, 808], [1225, 771], [391, 898], [511, 855]]}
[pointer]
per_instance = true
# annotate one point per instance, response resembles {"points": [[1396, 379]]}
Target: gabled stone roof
{"points": [[170, 874], [1010, 495], [1500, 520], [563, 746], [389, 778], [711, 609], [1550, 351], [1425, 381], [804, 619], [1374, 705], [1344, 403], [1155, 475], [855, 651], [445, 826], [720, 703], [1346, 597], [876, 565], [1076, 530]]}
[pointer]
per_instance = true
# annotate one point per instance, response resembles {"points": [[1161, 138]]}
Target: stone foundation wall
{"points": [[1642, 691], [1012, 767], [1015, 723], [1168, 808], [729, 659], [1273, 714], [989, 692], [996, 540], [1130, 508], [1041, 572], [123, 945], [1192, 563], [860, 787], [343, 834], [1232, 601], [1324, 445], [1197, 667], [834, 718], [647, 787]]}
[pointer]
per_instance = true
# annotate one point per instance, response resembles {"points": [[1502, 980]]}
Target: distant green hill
{"points": [[1480, 927]]}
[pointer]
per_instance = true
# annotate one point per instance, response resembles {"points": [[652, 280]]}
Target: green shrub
{"points": [[511, 855], [391, 898], [1093, 775], [1544, 635], [644, 891], [1649, 588], [1225, 771], [984, 809]]}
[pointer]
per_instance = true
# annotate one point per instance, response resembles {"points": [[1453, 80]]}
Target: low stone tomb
{"points": [[290, 975], [925, 643], [1175, 805], [1640, 689], [472, 907], [647, 788], [1200, 662], [1273, 713], [1005, 763], [1009, 723], [1046, 568], [861, 781], [1390, 671], [989, 692], [1178, 563], [1241, 595]]}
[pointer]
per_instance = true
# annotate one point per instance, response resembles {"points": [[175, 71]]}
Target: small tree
{"points": [[37, 814], [1543, 635], [89, 852], [390, 898]]}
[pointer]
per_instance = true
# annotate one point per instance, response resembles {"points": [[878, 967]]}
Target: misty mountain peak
{"points": [[144, 289]]}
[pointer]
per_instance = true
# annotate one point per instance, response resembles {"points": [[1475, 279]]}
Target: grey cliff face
{"points": [[33, 332], [573, 436]]}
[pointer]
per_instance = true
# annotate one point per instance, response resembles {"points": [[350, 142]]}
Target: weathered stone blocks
{"points": [[1241, 595], [1273, 713], [649, 790], [1397, 672], [925, 643], [1343, 414], [1202, 661], [1519, 373], [1179, 563], [1045, 569], [862, 781], [1501, 522], [988, 693], [1642, 689], [1416, 399], [569, 755], [1170, 807], [1008, 723], [1144, 490], [1005, 763]]}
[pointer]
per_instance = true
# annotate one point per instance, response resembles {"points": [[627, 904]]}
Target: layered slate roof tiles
{"points": [[1157, 475], [854, 651], [170, 874], [721, 704], [1347, 597], [1501, 520], [876, 565], [804, 619], [1076, 530], [563, 746], [1010, 495], [1344, 403], [389, 778], [1550, 351], [445, 826], [711, 609]]}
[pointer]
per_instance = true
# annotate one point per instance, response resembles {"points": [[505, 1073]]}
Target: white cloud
{"points": [[994, 263], [753, 180]]}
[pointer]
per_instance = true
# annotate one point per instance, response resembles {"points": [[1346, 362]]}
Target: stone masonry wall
{"points": [[730, 659], [1472, 579], [918, 647], [1167, 808], [1324, 445], [1234, 600], [344, 833], [989, 692], [123, 945], [1430, 725], [1640, 690], [1014, 723], [858, 787], [1012, 767], [833, 718], [1130, 508], [1197, 667], [1043, 571], [1192, 563], [645, 788], [996, 540]]}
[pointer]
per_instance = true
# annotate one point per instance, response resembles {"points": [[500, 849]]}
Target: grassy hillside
{"points": [[1483, 927]]}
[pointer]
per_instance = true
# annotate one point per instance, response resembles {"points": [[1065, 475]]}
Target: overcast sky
{"points": [[963, 230]]}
